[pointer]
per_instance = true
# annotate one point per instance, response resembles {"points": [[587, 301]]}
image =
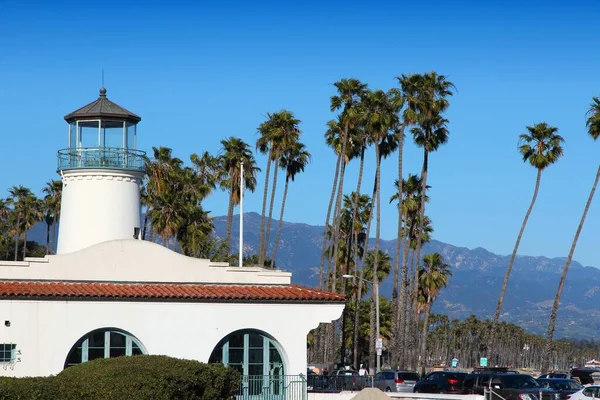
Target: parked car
{"points": [[347, 379], [316, 382], [396, 381], [564, 387], [507, 386], [586, 393], [441, 382]]}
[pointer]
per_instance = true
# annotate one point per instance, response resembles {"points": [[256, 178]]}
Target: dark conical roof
{"points": [[102, 108]]}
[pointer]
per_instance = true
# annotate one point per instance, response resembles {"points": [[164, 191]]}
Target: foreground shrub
{"points": [[134, 378]]}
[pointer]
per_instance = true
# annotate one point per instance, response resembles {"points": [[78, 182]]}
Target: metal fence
{"points": [[272, 387]]}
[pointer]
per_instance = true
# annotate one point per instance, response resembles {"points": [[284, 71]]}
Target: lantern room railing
{"points": [[101, 157]]}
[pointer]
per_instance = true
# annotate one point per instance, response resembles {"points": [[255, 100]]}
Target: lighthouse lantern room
{"points": [[101, 171]]}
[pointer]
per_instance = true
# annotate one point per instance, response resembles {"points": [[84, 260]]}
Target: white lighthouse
{"points": [[101, 172]]}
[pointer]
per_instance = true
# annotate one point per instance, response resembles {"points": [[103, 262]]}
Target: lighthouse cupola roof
{"points": [[103, 108]]}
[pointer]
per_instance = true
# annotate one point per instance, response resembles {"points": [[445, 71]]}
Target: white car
{"points": [[587, 393]]}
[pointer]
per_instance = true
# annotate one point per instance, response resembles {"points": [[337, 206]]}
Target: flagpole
{"points": [[241, 214]]}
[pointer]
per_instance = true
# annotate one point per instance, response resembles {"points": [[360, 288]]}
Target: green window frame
{"points": [[7, 353], [103, 343]]}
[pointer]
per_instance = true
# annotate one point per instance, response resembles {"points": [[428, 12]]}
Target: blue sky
{"points": [[200, 71]]}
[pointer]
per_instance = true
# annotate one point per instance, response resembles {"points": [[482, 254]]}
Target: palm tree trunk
{"points": [[374, 328], [54, 237], [338, 207], [510, 264], [357, 262], [25, 244], [229, 219], [424, 332], [397, 320], [18, 236], [285, 190], [268, 232], [561, 284], [421, 222], [264, 209], [145, 228], [47, 238], [361, 274], [324, 244]]}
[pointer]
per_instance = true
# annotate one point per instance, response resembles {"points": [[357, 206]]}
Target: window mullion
{"points": [[128, 345], [84, 350], [107, 344], [246, 353]]}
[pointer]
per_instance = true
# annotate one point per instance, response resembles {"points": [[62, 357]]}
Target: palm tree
{"points": [[399, 294], [381, 121], [163, 193], [235, 151], [433, 276], [32, 213], [293, 161], [207, 169], [593, 125], [410, 207], [349, 94], [277, 134], [541, 147], [17, 198], [52, 203], [5, 212]]}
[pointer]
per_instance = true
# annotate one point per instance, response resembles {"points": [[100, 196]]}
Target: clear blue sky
{"points": [[200, 71]]}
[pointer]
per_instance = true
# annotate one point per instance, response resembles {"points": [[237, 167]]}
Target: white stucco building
{"points": [[107, 293]]}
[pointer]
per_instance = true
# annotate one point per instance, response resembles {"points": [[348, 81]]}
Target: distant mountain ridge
{"points": [[474, 286]]}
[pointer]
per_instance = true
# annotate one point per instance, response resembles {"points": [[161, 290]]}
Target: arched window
{"points": [[256, 356], [103, 343]]}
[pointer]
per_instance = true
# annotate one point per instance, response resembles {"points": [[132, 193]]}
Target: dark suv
{"points": [[507, 385]]}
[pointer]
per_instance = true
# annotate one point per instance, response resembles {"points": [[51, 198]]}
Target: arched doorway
{"points": [[257, 357], [104, 343]]}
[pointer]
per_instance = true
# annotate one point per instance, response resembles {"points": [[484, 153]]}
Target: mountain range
{"points": [[473, 288]]}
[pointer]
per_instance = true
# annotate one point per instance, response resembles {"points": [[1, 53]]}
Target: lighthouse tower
{"points": [[101, 172]]}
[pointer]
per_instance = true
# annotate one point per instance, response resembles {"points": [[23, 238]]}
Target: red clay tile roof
{"points": [[164, 291]]}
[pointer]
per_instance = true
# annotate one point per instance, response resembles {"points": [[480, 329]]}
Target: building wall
{"points": [[45, 331]]}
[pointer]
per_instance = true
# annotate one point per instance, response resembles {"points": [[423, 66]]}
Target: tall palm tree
{"points": [[541, 146], [32, 209], [207, 169], [278, 133], [408, 90], [382, 120], [52, 203], [293, 161], [349, 92], [234, 152], [5, 212], [433, 277], [163, 191], [17, 198], [593, 126]]}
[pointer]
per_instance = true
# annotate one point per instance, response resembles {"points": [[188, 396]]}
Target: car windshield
{"points": [[408, 376], [565, 385], [519, 381]]}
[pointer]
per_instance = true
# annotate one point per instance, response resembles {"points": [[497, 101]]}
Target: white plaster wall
{"points": [[45, 331], [131, 260], [98, 205]]}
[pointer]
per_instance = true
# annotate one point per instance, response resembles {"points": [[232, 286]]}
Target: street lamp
{"points": [[376, 290]]}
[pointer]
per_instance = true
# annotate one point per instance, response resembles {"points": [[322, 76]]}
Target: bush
{"points": [[134, 378]]}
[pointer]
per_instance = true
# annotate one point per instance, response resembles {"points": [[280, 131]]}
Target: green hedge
{"points": [[133, 378]]}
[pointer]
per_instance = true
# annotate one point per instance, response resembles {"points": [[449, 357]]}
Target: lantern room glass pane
{"points": [[131, 139], [111, 134], [88, 134], [73, 135]]}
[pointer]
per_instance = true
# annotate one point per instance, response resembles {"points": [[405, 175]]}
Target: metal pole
{"points": [[241, 261], [376, 285]]}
